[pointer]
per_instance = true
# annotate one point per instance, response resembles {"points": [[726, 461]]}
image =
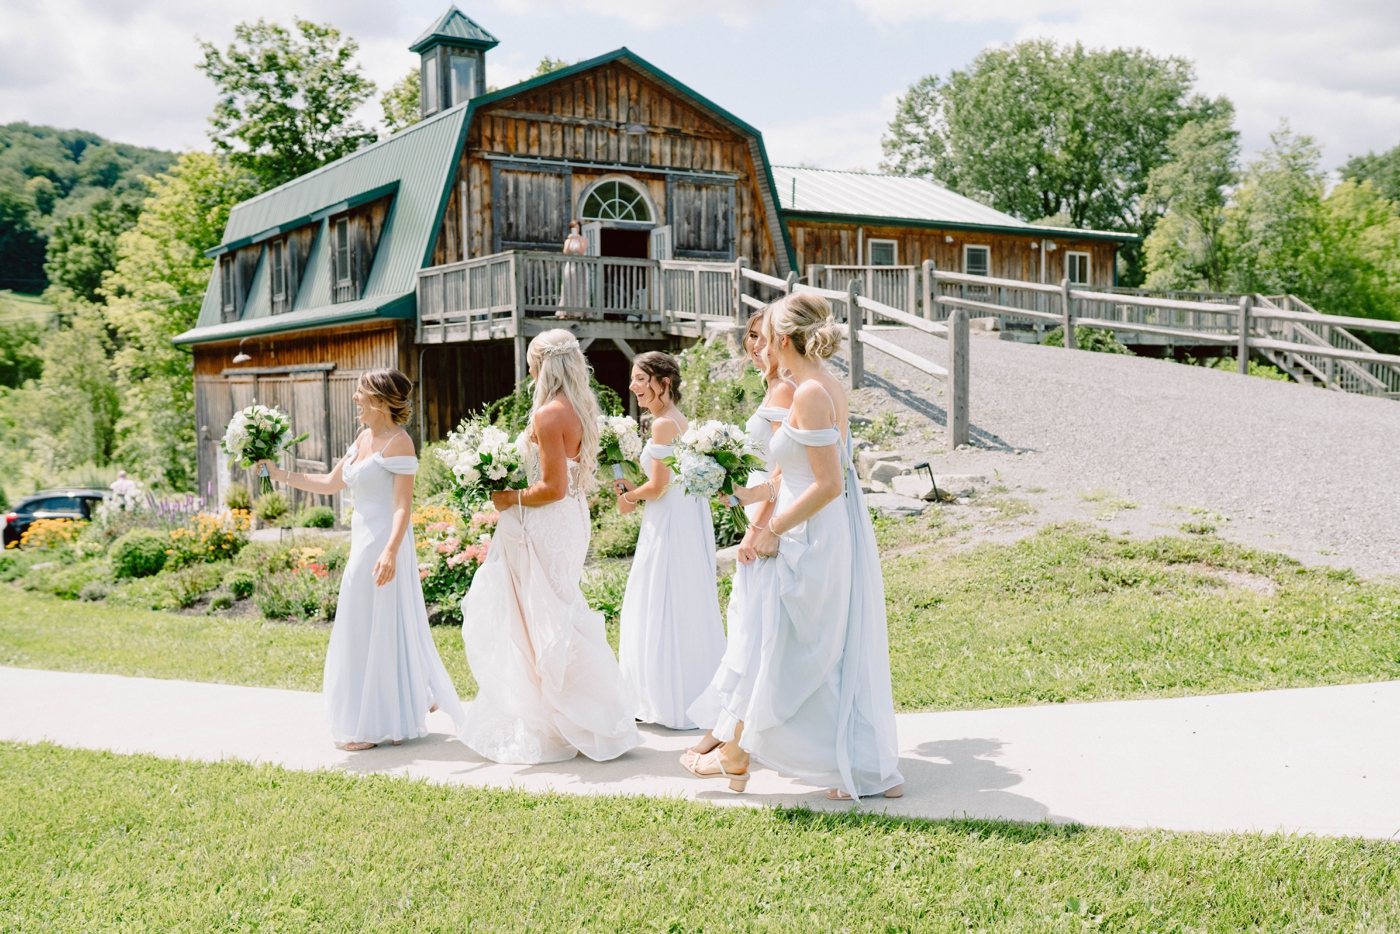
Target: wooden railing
{"points": [[892, 286], [474, 300]]}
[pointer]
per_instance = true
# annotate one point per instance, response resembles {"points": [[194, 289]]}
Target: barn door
{"points": [[530, 207], [661, 242], [701, 217], [241, 391], [310, 416], [593, 237], [213, 409]]}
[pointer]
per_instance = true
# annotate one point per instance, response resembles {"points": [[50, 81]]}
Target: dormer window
{"points": [[344, 275], [228, 297], [277, 266]]}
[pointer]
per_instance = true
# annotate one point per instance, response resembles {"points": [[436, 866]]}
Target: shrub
{"points": [[434, 477], [727, 530], [221, 601], [185, 586], [604, 586], [450, 549], [615, 535], [316, 517], [139, 553], [1087, 339], [241, 583], [15, 563], [66, 581], [716, 384], [270, 507], [306, 592], [238, 497], [208, 538], [95, 590]]}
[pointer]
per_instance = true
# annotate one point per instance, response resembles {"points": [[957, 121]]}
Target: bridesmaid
{"points": [[383, 674], [724, 705], [671, 636], [822, 708]]}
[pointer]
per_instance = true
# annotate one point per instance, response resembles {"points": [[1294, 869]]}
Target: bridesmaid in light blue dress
{"points": [[383, 675]]}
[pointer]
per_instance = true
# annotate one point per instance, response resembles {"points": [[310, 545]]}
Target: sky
{"points": [[819, 78]]}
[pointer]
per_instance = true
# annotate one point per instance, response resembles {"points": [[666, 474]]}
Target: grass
{"points": [[1109, 504], [1069, 613], [1073, 614], [91, 841]]}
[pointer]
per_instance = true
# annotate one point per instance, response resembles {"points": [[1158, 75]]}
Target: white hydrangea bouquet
{"points": [[483, 460], [714, 458], [258, 433], [620, 448]]}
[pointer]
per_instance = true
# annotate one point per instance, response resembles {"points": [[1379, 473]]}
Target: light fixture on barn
{"points": [[634, 125], [241, 357], [947, 238]]}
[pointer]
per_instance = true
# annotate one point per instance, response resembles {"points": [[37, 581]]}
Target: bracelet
{"points": [[761, 528], [520, 498], [626, 500], [772, 490]]}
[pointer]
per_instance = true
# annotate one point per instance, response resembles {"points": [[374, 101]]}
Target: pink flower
{"points": [[424, 572], [449, 546], [440, 527]]}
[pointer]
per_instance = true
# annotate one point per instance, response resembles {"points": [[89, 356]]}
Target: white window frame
{"points": [[227, 298], [870, 251], [342, 267], [1070, 256], [657, 217], [967, 248], [461, 94]]}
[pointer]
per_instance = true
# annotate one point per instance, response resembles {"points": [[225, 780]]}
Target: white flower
{"points": [[497, 472]]}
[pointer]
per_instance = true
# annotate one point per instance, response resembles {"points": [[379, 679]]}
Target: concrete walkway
{"points": [[1314, 760]]}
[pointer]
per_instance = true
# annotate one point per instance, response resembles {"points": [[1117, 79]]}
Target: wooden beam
{"points": [[1067, 310], [277, 370], [1246, 302], [958, 383], [586, 343], [853, 316], [626, 348]]}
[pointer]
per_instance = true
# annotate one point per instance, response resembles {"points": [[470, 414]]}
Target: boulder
{"points": [[885, 471], [895, 506], [866, 461], [990, 323], [915, 485], [959, 485], [726, 559]]}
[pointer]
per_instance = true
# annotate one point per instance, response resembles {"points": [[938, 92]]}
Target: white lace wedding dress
{"points": [[549, 684], [383, 673]]}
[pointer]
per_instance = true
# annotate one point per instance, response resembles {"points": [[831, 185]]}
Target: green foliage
{"points": [[1094, 339], [604, 586], [301, 594], [615, 534], [286, 100], [240, 582], [402, 103], [271, 507], [51, 182], [716, 384], [878, 430], [238, 497], [1039, 129], [68, 581], [511, 413], [608, 401], [549, 65], [22, 326], [1231, 365], [1185, 248], [139, 553], [728, 531], [154, 294], [316, 517], [1381, 170]]}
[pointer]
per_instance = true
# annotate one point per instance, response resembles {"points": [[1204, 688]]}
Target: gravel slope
{"points": [[1278, 465]]}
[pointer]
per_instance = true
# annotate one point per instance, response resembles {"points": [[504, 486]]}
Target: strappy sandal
{"points": [[691, 762], [358, 747]]}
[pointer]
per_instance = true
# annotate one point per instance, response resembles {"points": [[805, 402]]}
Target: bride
{"points": [[550, 686]]}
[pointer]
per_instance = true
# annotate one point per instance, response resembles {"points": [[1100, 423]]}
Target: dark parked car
{"points": [[49, 504]]}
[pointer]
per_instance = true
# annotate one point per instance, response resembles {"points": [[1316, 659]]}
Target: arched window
{"points": [[616, 201]]}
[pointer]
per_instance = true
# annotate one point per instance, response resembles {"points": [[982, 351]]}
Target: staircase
{"points": [[1365, 377]]}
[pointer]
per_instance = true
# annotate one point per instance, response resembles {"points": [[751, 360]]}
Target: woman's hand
{"points": [[746, 553], [272, 469], [385, 568], [624, 505], [747, 495], [504, 499], [765, 543]]}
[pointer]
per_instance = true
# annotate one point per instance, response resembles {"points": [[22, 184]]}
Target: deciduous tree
{"points": [[286, 100], [1185, 249], [402, 103]]}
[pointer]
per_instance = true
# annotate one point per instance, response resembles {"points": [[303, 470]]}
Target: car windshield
{"points": [[56, 504]]}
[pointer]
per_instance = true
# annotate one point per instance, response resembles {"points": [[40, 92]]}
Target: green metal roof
{"points": [[455, 28], [415, 166], [901, 200], [366, 309]]}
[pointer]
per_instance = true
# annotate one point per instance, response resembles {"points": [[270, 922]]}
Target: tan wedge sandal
{"points": [[694, 762]]}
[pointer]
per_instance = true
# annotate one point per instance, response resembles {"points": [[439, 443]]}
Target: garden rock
{"points": [[894, 506], [866, 461], [886, 471], [915, 485], [959, 485], [726, 559]]}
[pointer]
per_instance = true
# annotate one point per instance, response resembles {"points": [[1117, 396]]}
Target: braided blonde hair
{"points": [[560, 369]]}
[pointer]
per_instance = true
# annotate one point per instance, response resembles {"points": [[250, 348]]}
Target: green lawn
{"points": [[1068, 614], [94, 842]]}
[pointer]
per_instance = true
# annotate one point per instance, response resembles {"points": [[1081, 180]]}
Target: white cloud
{"points": [[848, 140], [1332, 68], [649, 14]]}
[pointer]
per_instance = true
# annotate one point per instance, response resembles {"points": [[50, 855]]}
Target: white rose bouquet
{"points": [[714, 458], [258, 433], [483, 460], [619, 448]]}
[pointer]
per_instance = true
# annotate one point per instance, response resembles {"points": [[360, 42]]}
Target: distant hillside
{"points": [[48, 176]]}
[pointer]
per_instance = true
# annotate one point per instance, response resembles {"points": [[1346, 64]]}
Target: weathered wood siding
{"points": [[459, 379], [1011, 256], [293, 372], [583, 121]]}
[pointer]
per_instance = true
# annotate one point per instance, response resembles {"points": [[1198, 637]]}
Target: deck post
{"points": [[1242, 354], [791, 282], [517, 314], [958, 383], [927, 271], [853, 316], [814, 275], [1067, 308], [741, 311]]}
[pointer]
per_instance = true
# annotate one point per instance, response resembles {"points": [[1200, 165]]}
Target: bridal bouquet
{"points": [[715, 458], [619, 447], [255, 433], [483, 460]]}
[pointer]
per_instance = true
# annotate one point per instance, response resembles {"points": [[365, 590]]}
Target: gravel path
{"points": [[1154, 445]]}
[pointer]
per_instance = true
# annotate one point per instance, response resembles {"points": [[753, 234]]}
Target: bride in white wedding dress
{"points": [[549, 684]]}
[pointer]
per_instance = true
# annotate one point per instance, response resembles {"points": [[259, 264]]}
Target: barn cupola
{"points": [[453, 69]]}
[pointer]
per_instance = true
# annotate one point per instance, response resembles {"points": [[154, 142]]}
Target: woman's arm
{"points": [[808, 409], [325, 484], [387, 565], [663, 431], [553, 485]]}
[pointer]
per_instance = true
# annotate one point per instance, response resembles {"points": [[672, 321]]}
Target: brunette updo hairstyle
{"points": [[664, 367], [391, 388], [806, 319]]}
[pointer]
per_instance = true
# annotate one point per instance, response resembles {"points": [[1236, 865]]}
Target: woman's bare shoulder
{"points": [[555, 415], [401, 445], [781, 393], [664, 430]]}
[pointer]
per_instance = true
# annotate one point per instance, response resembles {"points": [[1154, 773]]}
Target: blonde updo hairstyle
{"points": [[393, 390], [805, 318], [561, 370]]}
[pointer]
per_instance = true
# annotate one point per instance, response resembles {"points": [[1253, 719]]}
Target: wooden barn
{"points": [[438, 250]]}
